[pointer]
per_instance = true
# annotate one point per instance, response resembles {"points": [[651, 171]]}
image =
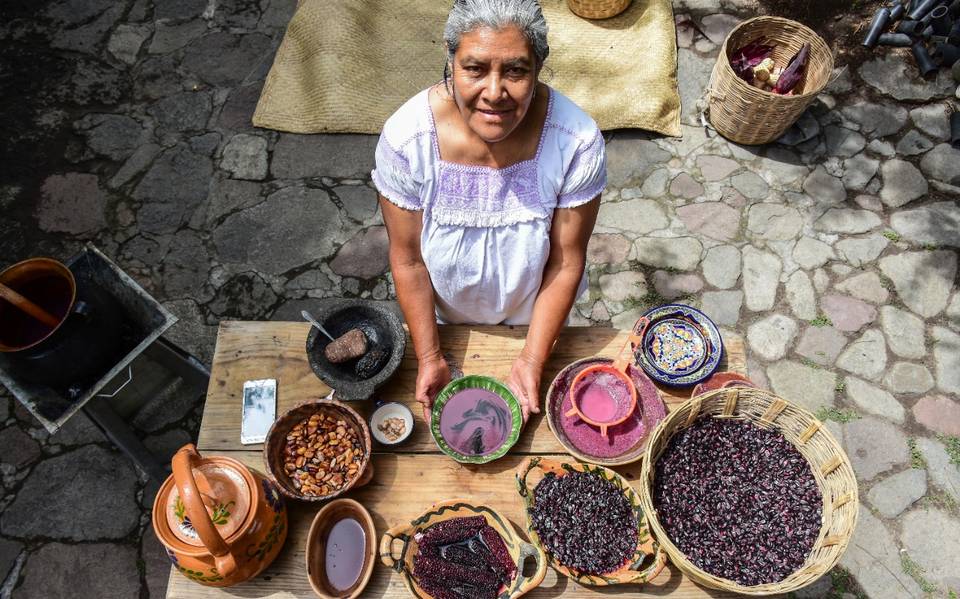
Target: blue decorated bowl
{"points": [[680, 345]]}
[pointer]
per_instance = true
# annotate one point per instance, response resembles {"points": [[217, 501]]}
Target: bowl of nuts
{"points": [[318, 451], [391, 423]]}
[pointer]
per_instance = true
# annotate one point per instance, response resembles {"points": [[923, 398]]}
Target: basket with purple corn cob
{"points": [[768, 71], [754, 64], [458, 550]]}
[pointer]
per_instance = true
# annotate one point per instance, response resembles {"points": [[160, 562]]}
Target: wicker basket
{"points": [[748, 115], [830, 465], [598, 9]]}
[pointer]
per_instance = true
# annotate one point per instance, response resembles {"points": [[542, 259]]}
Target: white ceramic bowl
{"points": [[391, 410]]}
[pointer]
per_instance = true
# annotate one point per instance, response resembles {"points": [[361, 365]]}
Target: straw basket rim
{"points": [[597, 9], [841, 501]]}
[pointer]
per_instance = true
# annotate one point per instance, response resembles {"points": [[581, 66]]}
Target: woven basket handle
{"points": [[654, 569], [836, 74]]}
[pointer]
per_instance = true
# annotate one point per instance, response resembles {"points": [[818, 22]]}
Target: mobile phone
{"points": [[259, 410]]}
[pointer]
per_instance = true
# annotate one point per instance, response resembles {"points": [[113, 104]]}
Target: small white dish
{"points": [[391, 410]]}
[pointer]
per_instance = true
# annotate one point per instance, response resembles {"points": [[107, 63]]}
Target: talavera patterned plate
{"points": [[681, 346]]}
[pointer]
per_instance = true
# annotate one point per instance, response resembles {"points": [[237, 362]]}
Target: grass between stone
{"points": [[916, 572], [843, 583], [837, 415], [942, 500], [916, 458], [821, 321], [892, 236], [952, 445]]}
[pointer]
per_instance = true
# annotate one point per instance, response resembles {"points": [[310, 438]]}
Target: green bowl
{"points": [[476, 382]]}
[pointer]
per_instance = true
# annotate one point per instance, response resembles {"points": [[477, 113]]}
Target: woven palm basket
{"points": [[598, 9], [749, 115], [829, 463]]}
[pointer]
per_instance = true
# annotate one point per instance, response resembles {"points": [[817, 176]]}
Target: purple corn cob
{"points": [[501, 563], [451, 531], [426, 567], [749, 56], [436, 589], [475, 592], [794, 72], [439, 589], [459, 554]]}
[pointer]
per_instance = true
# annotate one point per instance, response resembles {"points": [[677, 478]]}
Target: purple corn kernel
{"points": [[740, 501], [459, 554], [439, 569], [584, 521], [501, 563], [453, 530]]}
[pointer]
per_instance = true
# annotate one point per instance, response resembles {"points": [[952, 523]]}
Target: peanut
{"points": [[322, 455]]}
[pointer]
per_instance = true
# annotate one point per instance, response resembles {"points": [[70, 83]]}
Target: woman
{"points": [[489, 184]]}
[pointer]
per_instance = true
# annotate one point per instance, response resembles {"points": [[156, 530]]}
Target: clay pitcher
{"points": [[220, 522]]}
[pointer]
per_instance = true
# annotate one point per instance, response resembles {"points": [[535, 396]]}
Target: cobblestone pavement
{"points": [[127, 123]]}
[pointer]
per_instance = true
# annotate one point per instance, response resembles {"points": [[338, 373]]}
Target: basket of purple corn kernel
{"points": [[458, 549], [748, 493]]}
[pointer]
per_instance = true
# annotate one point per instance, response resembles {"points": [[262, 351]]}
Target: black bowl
{"points": [[357, 379]]}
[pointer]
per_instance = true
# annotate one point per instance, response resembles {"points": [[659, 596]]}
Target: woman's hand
{"points": [[433, 374], [524, 381]]}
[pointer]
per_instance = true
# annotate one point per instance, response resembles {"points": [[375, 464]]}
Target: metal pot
{"points": [[84, 343]]}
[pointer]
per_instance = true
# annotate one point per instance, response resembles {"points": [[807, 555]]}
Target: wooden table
{"points": [[408, 481]]}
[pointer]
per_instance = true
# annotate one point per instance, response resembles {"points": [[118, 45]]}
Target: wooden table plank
{"points": [[404, 484], [403, 487], [254, 350]]}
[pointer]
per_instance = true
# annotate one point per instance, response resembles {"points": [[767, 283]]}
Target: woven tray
{"points": [[829, 463]]}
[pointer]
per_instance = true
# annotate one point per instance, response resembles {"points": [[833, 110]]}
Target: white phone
{"points": [[259, 410]]}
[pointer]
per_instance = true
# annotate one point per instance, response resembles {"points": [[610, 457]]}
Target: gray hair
{"points": [[467, 15]]}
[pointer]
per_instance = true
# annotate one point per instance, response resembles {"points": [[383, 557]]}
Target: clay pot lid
{"points": [[226, 495]]}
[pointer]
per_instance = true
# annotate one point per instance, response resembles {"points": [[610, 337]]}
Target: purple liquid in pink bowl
{"points": [[602, 396], [475, 422]]}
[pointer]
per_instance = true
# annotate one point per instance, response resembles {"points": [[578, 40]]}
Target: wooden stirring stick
{"points": [[25, 305]]}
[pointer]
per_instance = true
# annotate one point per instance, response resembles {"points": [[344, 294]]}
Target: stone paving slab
{"points": [[832, 251]]}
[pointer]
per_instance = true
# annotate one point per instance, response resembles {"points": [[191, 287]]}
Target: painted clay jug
{"points": [[220, 522]]}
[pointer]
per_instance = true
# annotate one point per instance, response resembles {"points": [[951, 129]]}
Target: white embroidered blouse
{"points": [[486, 231]]}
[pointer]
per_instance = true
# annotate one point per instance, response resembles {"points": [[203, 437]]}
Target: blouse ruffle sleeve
{"points": [[586, 177], [394, 177]]}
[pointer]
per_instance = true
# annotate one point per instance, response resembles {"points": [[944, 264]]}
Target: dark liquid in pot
{"points": [[19, 329]]}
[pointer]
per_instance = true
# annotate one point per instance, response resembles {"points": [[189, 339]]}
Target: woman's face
{"points": [[494, 76]]}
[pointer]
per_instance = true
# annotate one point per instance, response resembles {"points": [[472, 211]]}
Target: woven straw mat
{"points": [[347, 65]]}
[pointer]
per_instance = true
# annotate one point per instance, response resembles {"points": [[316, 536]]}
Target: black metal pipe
{"points": [[910, 27], [940, 20], [880, 20], [901, 40], [955, 9], [897, 9], [954, 36], [946, 55], [955, 130], [924, 61], [920, 10], [927, 33]]}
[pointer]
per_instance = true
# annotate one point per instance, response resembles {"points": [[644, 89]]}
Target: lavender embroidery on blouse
{"points": [[488, 197]]}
